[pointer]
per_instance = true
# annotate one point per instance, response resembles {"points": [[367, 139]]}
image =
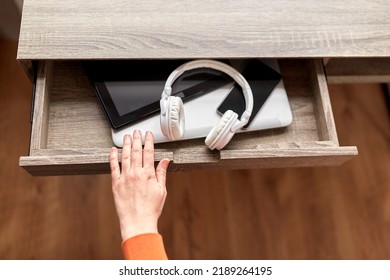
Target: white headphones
{"points": [[172, 109]]}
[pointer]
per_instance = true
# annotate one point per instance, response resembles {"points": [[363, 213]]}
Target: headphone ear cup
{"points": [[175, 118], [220, 134]]}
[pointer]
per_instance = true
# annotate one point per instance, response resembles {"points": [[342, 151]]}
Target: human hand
{"points": [[139, 190]]}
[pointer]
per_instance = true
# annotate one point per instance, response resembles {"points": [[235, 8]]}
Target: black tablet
{"points": [[131, 90]]}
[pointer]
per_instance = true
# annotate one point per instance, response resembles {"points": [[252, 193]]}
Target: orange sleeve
{"points": [[147, 246]]}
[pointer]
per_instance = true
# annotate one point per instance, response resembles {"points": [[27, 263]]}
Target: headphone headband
{"points": [[213, 64]]}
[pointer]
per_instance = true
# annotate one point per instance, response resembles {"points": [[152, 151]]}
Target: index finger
{"points": [[148, 154]]}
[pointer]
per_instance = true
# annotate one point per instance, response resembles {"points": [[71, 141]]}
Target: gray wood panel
{"points": [[93, 29]]}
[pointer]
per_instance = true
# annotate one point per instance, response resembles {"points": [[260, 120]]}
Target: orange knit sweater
{"points": [[147, 246]]}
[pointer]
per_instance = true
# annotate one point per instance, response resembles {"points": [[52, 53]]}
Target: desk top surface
{"points": [[142, 29]]}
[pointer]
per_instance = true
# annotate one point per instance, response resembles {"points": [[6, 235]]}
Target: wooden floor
{"points": [[301, 213]]}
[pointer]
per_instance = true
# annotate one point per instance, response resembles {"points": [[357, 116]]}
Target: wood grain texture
{"points": [[97, 29], [41, 102], [98, 163], [75, 121], [287, 213], [358, 70], [322, 104], [74, 162]]}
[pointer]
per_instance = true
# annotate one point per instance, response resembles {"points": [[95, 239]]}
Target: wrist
{"points": [[137, 229]]}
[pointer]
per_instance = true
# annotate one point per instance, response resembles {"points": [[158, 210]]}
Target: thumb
{"points": [[161, 171]]}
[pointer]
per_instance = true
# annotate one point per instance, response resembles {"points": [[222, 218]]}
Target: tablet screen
{"points": [[144, 93], [130, 96], [131, 90]]}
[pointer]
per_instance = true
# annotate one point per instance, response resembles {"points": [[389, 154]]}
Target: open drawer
{"points": [[70, 134]]}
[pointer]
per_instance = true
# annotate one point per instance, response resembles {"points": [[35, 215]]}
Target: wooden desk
{"points": [[58, 34]]}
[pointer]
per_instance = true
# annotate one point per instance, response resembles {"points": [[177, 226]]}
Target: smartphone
{"points": [[262, 80]]}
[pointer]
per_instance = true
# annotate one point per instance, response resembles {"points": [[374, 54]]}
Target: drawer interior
{"points": [[70, 129], [358, 70]]}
